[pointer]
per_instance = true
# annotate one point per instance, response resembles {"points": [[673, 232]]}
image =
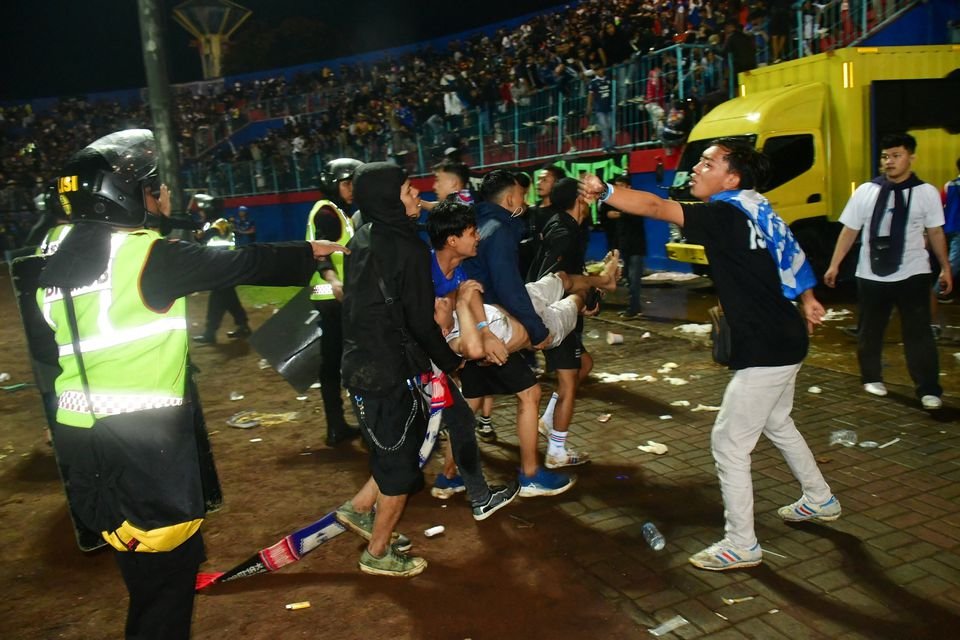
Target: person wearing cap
{"points": [[564, 249], [244, 228], [127, 437]]}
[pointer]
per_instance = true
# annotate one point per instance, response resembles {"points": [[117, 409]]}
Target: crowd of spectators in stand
{"points": [[374, 111]]}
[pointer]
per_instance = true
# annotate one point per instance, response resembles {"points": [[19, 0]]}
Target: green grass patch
{"points": [[278, 296]]}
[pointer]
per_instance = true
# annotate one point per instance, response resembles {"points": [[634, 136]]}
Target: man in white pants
{"points": [[758, 268]]}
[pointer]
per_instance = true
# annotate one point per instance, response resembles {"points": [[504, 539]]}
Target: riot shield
{"points": [[290, 341]]}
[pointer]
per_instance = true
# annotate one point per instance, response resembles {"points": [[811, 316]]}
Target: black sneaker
{"points": [[341, 434], [500, 496], [241, 331], [486, 433]]}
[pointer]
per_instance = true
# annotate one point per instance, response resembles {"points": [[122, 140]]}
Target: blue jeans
{"points": [[634, 275], [605, 122]]}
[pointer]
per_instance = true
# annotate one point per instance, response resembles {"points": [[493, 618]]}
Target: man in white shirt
{"points": [[891, 214]]}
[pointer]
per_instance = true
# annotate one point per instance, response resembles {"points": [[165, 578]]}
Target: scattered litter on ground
{"points": [[774, 553], [676, 381], [705, 407], [646, 334], [4, 376], [263, 364], [729, 601], [666, 417], [669, 625], [696, 329], [256, 439], [236, 395], [957, 355], [315, 385], [667, 367], [244, 420], [680, 403], [614, 338], [306, 453], [653, 447], [302, 398], [669, 276], [836, 314], [846, 437], [721, 616], [604, 417], [869, 444], [774, 611], [890, 442], [593, 334], [17, 387], [523, 524], [814, 389], [293, 606], [647, 379], [619, 377], [250, 419], [434, 531], [822, 460]]}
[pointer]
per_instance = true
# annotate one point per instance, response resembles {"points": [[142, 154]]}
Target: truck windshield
{"points": [[680, 189]]}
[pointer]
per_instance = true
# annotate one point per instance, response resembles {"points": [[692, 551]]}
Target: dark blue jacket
{"points": [[497, 267]]}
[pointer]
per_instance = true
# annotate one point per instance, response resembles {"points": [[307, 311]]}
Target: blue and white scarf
{"points": [[796, 274]]}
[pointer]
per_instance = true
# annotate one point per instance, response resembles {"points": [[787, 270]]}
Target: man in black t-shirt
{"points": [[563, 248], [757, 268]]}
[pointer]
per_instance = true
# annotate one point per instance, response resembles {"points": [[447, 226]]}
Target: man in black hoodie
{"points": [[390, 337]]}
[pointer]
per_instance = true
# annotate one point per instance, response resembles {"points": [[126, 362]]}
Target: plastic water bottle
{"points": [[653, 536]]}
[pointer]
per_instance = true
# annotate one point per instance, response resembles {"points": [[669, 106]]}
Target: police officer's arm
{"points": [[175, 269], [633, 201]]}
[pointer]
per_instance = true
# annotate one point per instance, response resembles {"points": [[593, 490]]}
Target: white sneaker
{"points": [[722, 555], [875, 388], [568, 458], [544, 429], [931, 402]]}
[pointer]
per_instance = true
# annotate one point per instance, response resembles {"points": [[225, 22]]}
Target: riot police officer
{"points": [[328, 221], [128, 423]]}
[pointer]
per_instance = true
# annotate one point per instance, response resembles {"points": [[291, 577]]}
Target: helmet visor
{"points": [[132, 154]]}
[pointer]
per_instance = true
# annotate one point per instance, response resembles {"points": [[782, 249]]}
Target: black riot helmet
{"points": [[336, 171], [105, 181]]}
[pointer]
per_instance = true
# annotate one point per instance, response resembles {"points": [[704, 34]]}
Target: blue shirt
{"points": [[442, 285]]}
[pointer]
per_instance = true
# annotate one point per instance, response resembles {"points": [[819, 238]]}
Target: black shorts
{"points": [[566, 355], [393, 426], [510, 378]]}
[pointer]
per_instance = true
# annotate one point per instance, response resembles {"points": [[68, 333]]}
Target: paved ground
{"points": [[573, 566]]}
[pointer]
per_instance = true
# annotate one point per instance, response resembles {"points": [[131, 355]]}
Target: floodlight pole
{"points": [[160, 97]]}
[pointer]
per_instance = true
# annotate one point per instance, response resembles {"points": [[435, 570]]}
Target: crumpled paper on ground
{"points": [[653, 447]]}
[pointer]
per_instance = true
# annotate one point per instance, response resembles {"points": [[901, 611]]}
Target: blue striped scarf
{"points": [[796, 274]]}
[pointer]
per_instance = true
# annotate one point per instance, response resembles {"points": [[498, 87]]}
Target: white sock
{"points": [[558, 442], [547, 416]]}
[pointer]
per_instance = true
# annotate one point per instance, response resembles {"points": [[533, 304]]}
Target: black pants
{"points": [[221, 301], [331, 349], [911, 297], [161, 588]]}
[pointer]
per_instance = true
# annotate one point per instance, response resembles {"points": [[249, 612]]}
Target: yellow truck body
{"points": [[816, 117]]}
